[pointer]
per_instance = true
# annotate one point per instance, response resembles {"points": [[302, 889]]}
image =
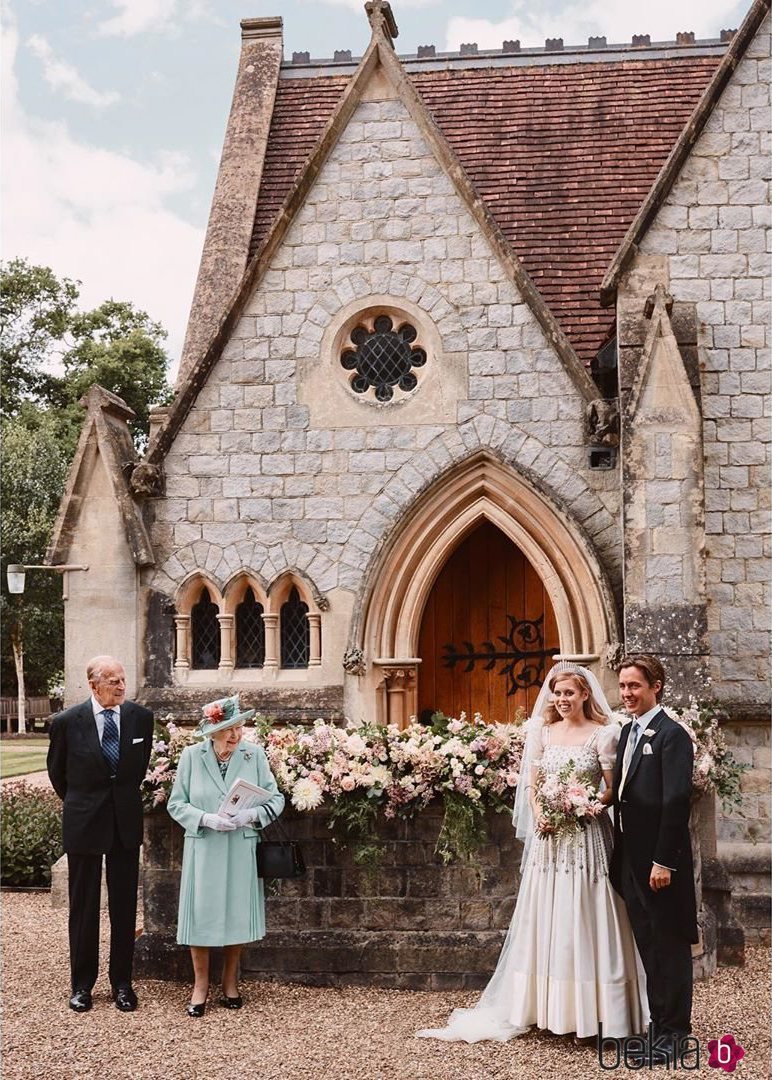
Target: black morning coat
{"points": [[654, 810], [95, 805]]}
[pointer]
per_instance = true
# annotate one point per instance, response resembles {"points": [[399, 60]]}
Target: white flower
{"points": [[306, 795]]}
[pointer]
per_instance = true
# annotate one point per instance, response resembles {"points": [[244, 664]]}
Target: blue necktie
{"points": [[632, 741], [110, 742]]}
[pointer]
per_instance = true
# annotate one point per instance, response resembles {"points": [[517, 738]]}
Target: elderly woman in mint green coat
{"points": [[221, 896]]}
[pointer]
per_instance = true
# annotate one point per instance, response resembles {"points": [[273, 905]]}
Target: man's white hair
{"points": [[95, 668]]}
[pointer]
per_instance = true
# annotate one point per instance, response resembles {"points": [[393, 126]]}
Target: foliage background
{"points": [[51, 353]]}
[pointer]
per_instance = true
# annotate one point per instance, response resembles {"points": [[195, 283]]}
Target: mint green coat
{"points": [[221, 896]]}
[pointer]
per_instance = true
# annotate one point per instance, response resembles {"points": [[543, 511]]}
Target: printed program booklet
{"points": [[243, 796]]}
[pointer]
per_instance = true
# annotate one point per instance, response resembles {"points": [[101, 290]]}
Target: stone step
{"points": [[749, 866]]}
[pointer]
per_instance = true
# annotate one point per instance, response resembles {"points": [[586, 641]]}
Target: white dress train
{"points": [[569, 961]]}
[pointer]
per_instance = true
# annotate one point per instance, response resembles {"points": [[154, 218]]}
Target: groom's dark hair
{"points": [[650, 666]]}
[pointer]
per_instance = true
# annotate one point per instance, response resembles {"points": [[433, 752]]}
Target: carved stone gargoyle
{"points": [[603, 422], [146, 481]]}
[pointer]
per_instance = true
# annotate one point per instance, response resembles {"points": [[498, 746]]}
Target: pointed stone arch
{"points": [[400, 579]]}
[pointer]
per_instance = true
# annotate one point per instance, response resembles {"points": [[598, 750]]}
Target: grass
{"points": [[21, 762]]}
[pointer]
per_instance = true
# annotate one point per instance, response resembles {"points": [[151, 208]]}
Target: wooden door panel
{"points": [[473, 625]]}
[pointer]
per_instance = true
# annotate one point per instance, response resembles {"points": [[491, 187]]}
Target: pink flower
{"points": [[348, 783]]}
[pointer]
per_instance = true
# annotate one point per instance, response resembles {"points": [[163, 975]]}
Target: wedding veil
{"points": [[522, 817]]}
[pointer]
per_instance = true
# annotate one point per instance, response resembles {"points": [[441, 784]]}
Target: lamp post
{"points": [[16, 573]]}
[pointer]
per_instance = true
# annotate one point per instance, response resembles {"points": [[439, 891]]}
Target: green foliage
{"points": [[354, 823], [463, 830], [118, 348], [31, 483], [32, 834], [50, 356], [36, 310], [52, 353]]}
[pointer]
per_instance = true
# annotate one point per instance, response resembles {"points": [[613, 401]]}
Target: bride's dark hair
{"points": [[591, 708]]}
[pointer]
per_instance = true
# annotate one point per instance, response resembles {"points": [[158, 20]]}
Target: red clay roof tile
{"points": [[563, 155]]}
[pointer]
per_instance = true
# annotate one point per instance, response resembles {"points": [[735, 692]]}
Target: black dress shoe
{"points": [[231, 1002], [196, 1010], [80, 1001], [125, 999]]}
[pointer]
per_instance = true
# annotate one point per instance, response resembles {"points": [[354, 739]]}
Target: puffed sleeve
{"points": [[608, 740]]}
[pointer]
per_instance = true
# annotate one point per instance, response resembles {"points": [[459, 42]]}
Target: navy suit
{"points": [[651, 825], [101, 816]]}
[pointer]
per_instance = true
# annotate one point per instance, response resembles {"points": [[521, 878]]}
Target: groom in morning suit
{"points": [[97, 760], [652, 861]]}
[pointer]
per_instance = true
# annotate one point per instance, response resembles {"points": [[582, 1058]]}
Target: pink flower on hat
{"points": [[214, 713]]}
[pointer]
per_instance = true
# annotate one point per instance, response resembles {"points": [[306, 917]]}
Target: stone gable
{"points": [[263, 475]]}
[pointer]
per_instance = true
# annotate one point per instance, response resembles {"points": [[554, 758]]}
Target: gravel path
{"points": [[34, 779], [289, 1032]]}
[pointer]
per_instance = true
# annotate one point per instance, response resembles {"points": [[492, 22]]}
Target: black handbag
{"points": [[279, 858]]}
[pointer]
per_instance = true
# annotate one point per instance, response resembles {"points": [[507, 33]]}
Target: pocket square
{"points": [[647, 749], [649, 731], [137, 740]]}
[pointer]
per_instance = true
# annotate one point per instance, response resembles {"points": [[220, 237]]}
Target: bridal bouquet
{"points": [[565, 801]]}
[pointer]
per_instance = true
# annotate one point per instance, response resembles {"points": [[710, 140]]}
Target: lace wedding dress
{"points": [[569, 962]]}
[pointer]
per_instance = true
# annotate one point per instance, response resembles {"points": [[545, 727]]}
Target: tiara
{"points": [[567, 666]]}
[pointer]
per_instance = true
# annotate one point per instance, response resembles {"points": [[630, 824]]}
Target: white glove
{"points": [[217, 822], [244, 817]]}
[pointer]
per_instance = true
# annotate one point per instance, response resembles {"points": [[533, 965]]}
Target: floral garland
{"points": [[364, 771], [715, 769]]}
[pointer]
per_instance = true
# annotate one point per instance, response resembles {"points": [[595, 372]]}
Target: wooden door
{"points": [[487, 633]]}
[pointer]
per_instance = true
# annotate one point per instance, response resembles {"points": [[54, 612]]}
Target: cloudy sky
{"points": [[114, 112]]}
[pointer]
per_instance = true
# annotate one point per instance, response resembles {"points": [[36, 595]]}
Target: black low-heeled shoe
{"points": [[195, 1010], [231, 1002]]}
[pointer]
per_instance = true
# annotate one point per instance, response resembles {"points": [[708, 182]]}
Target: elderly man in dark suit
{"points": [[97, 760], [652, 861]]}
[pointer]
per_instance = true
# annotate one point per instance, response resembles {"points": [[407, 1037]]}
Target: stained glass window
{"points": [[383, 358], [250, 633], [205, 633], [294, 632]]}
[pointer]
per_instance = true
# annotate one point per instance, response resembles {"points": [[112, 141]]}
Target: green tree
{"points": [[36, 310], [121, 349], [31, 484], [50, 355]]}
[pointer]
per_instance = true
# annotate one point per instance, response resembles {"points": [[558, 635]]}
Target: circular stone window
{"points": [[381, 358]]}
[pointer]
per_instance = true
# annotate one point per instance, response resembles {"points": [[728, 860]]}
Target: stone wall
{"points": [[263, 475], [713, 231], [414, 924], [417, 924], [750, 745]]}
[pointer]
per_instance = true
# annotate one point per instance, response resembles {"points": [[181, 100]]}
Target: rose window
{"points": [[383, 358]]}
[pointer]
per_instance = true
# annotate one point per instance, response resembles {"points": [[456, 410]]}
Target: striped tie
{"points": [[110, 742], [632, 740]]}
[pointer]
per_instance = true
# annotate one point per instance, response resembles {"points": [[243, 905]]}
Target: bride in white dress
{"points": [[569, 961]]}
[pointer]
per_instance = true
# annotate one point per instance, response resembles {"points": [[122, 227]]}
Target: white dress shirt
{"points": [[99, 717]]}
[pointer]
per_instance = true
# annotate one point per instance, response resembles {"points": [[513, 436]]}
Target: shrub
{"points": [[31, 834]]}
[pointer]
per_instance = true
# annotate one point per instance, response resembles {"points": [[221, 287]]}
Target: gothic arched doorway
{"points": [[487, 631]]}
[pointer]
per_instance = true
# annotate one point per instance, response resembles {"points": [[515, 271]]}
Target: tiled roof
{"points": [[301, 110], [563, 155]]}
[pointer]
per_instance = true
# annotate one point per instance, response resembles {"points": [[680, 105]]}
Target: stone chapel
{"points": [[476, 374]]}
